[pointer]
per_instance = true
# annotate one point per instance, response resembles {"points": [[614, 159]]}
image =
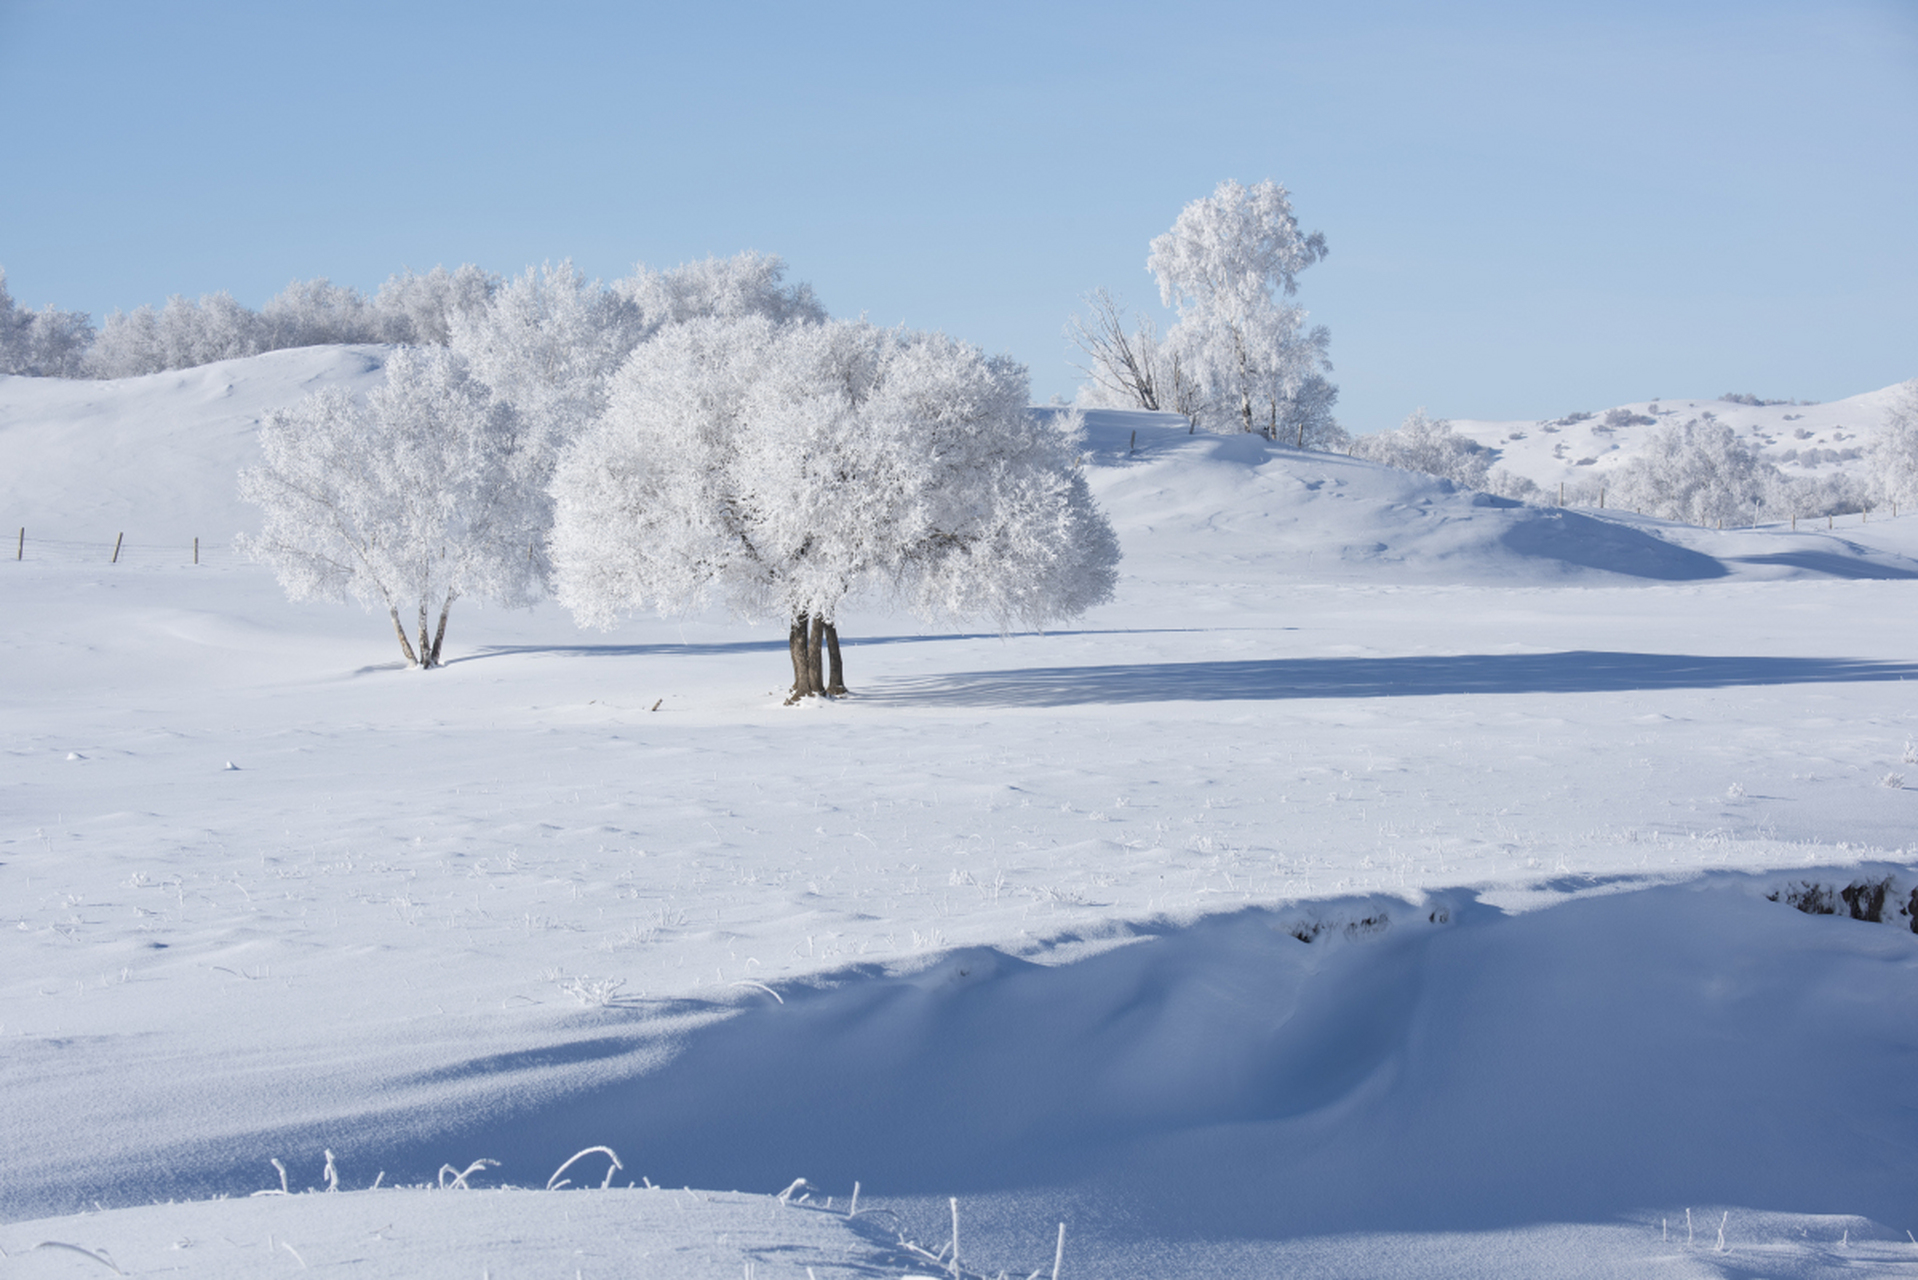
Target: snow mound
{"points": [[1247, 507], [1248, 511], [156, 458]]}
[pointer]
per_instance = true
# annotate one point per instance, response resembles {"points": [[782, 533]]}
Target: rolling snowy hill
{"points": [[1802, 440], [1392, 880]]}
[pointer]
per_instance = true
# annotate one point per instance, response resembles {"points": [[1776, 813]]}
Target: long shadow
{"points": [[1274, 679], [712, 649], [1831, 564]]}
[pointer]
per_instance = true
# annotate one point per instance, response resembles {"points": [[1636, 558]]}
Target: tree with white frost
{"points": [[410, 500], [1698, 472], [1894, 454], [1424, 443], [1227, 266], [782, 469], [48, 343]]}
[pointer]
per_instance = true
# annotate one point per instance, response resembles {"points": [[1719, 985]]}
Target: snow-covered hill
{"points": [[1390, 881], [1802, 440]]}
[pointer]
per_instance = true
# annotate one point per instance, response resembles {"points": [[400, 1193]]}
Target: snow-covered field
{"points": [[1379, 886], [1805, 441]]}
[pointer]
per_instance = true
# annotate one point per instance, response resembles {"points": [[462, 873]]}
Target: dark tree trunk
{"points": [[426, 639], [836, 671], [399, 629], [815, 656], [802, 669], [439, 632]]}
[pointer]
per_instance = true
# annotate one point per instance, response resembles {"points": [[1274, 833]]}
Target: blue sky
{"points": [[1532, 208]]}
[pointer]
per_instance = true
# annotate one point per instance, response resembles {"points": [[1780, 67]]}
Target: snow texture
{"points": [[1391, 880]]}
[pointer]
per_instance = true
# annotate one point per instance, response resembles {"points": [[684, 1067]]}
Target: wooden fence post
{"points": [[20, 552], [196, 549], [116, 549]]}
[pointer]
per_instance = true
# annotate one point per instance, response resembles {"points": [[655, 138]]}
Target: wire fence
{"points": [[121, 550]]}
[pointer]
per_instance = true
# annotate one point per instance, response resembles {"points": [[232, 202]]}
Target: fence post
{"points": [[20, 552], [196, 549], [116, 549]]}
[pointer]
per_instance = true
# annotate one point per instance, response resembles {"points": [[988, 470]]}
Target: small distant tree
{"points": [[783, 468], [412, 499], [1894, 454]]}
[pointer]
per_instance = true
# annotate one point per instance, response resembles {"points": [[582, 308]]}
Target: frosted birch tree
{"points": [[1227, 267], [782, 469], [410, 501]]}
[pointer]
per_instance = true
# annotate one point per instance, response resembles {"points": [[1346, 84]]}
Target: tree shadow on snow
{"points": [[712, 649], [1272, 679]]}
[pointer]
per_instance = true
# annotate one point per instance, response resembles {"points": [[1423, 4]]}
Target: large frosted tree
{"points": [[410, 500], [782, 468]]}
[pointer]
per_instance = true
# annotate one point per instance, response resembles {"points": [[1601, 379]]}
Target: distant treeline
{"points": [[409, 308]]}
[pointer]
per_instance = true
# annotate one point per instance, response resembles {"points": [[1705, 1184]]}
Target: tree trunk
{"points": [[426, 639], [815, 656], [399, 629], [439, 634], [796, 644], [836, 671]]}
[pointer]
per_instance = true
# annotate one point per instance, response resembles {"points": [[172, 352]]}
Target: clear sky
{"points": [[1532, 208]]}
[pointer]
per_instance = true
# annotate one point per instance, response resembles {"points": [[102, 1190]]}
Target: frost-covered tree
{"points": [[1700, 473], [781, 469], [1428, 444], [545, 343], [419, 310], [315, 313], [747, 284], [1894, 454], [1127, 367], [1227, 267], [48, 343], [548, 342], [410, 500]]}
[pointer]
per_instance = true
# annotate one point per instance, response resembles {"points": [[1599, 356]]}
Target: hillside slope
{"points": [[1805, 441]]}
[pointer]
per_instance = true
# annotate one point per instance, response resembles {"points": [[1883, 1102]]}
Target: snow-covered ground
{"points": [[1380, 885], [1805, 441]]}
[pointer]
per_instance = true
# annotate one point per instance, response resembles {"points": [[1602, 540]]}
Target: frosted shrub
{"points": [[781, 468], [414, 499]]}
